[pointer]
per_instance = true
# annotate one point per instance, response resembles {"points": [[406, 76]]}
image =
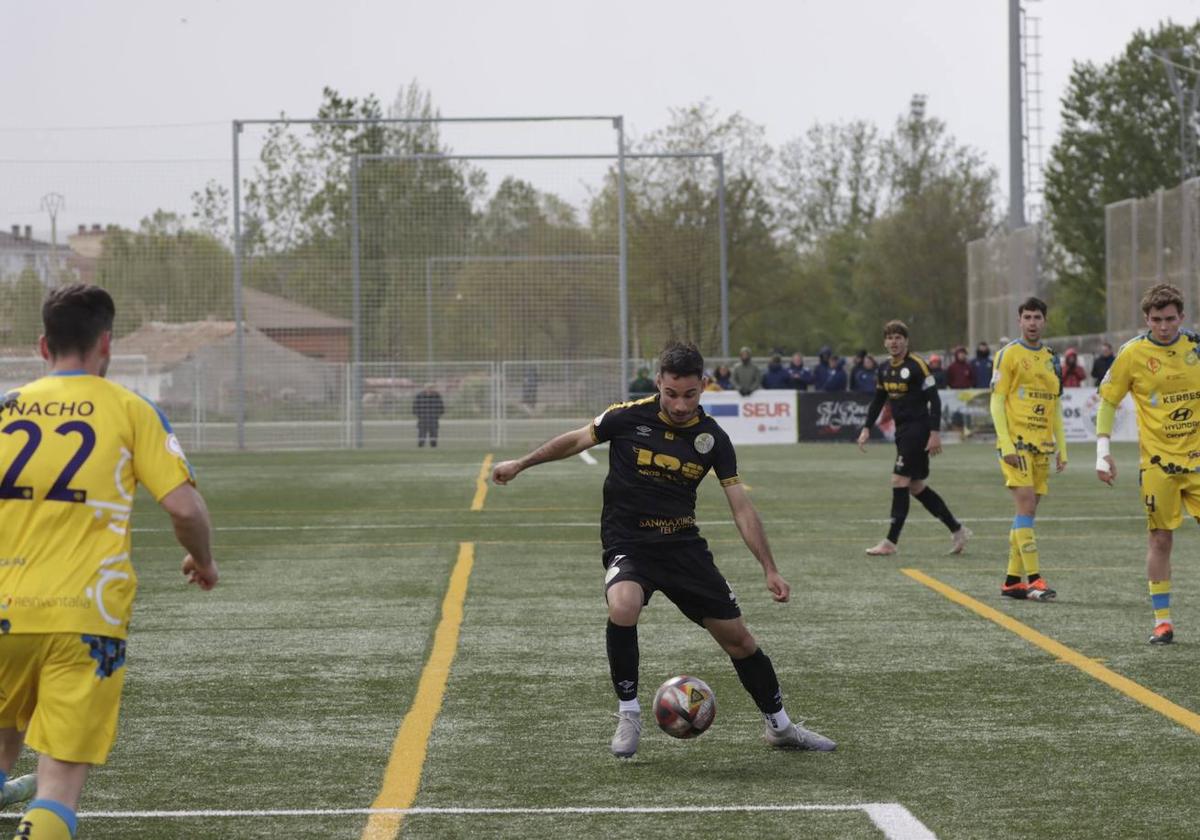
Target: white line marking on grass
{"points": [[588, 459], [591, 523], [894, 820]]}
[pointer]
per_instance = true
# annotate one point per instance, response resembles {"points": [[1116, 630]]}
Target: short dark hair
{"points": [[895, 327], [75, 316], [1032, 304], [681, 359], [1161, 296]]}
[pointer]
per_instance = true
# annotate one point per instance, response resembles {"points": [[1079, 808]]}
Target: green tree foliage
{"points": [[1120, 139], [913, 262], [21, 309], [165, 272]]}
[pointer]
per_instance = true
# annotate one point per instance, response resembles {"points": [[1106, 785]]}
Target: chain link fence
{"points": [[1155, 239], [1002, 270], [478, 275]]}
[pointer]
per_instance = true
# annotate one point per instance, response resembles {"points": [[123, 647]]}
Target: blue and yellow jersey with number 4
{"points": [[73, 449], [1165, 382], [1028, 379]]}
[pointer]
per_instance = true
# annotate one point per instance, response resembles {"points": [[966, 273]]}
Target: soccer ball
{"points": [[684, 707]]}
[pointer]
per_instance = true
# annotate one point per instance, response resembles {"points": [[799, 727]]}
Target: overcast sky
{"points": [[786, 65]]}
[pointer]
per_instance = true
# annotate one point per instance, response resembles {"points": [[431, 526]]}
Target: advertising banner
{"points": [[837, 416], [766, 416]]}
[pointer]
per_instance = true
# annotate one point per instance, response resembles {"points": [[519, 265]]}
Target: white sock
{"points": [[1159, 621], [778, 721], [629, 706]]}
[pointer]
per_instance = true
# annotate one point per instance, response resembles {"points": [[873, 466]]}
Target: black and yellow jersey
{"points": [[654, 468], [907, 386]]}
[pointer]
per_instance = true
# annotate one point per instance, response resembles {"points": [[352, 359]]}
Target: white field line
{"points": [[894, 820], [592, 523], [588, 459]]}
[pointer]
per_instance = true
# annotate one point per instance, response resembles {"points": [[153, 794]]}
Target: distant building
{"points": [[20, 252], [298, 327]]}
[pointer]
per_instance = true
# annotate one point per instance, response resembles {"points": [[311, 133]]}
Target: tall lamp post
{"points": [[52, 203]]}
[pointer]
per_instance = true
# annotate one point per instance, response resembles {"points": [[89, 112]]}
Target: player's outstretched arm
{"points": [[193, 530], [555, 449], [750, 526]]}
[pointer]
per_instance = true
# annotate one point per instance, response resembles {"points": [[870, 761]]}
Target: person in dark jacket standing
{"points": [[1102, 363], [981, 365], [428, 408]]}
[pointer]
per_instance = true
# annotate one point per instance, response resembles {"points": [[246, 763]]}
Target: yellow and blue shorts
{"points": [[64, 691], [1165, 496], [1033, 471]]}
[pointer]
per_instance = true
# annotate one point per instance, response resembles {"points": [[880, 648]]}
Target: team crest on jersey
{"points": [[904, 374], [175, 447], [1153, 364], [1190, 358], [704, 443]]}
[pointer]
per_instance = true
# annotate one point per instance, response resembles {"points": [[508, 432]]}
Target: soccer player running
{"points": [[1160, 368], [907, 386], [660, 448], [1027, 413], [73, 448]]}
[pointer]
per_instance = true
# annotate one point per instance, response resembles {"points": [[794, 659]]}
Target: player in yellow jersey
{"points": [[1027, 412], [1161, 369], [73, 448]]}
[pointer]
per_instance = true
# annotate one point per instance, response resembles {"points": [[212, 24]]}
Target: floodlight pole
{"points": [[240, 363], [355, 406], [719, 159], [623, 257]]}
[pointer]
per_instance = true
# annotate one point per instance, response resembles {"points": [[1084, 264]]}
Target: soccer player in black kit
{"points": [[907, 387], [660, 448]]}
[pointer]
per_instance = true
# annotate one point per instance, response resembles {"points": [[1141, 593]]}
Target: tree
{"points": [[1120, 139], [913, 264], [21, 309], [165, 272]]}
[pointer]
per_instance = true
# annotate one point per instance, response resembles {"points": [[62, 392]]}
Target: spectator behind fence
{"points": [[643, 386], [746, 376], [857, 366], [722, 379], [982, 364], [1073, 374], [959, 374], [1102, 363], [776, 376], [863, 380], [937, 371], [837, 379], [823, 369], [799, 376], [428, 408]]}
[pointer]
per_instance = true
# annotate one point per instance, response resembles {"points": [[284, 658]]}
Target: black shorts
{"points": [[685, 573], [912, 459]]}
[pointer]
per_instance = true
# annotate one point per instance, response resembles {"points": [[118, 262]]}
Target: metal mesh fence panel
{"points": [[1150, 240], [1002, 270], [543, 398]]}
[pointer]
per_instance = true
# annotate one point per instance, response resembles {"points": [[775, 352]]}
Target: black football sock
{"points": [[899, 513], [1009, 580], [623, 659], [935, 505], [758, 678]]}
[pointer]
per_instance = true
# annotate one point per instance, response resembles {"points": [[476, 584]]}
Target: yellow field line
{"points": [[402, 778], [481, 483], [1160, 704]]}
